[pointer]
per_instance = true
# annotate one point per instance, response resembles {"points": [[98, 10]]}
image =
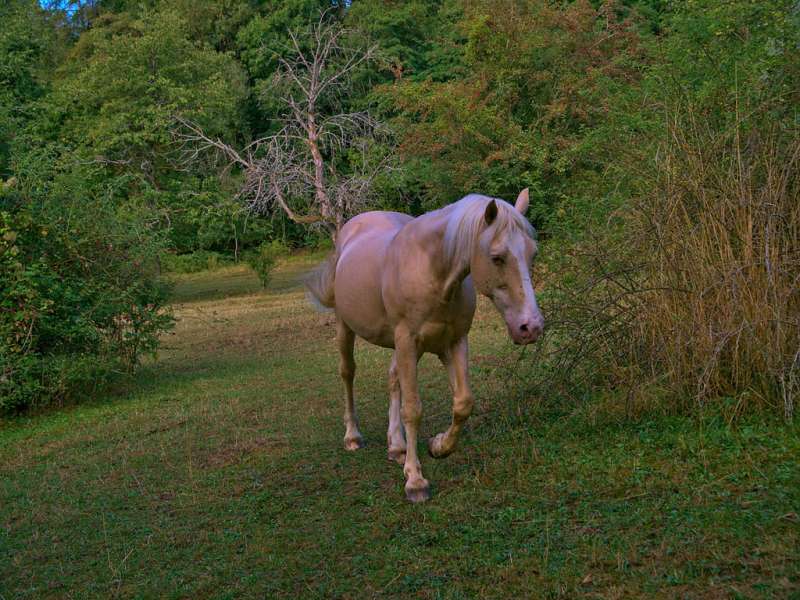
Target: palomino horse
{"points": [[409, 284]]}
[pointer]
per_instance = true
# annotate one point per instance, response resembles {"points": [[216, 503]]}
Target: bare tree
{"points": [[322, 164]]}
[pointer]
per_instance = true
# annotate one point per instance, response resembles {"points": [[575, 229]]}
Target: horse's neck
{"points": [[451, 271]]}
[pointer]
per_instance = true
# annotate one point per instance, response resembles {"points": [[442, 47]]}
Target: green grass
{"points": [[219, 473]]}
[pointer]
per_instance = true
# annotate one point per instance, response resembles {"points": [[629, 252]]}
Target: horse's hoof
{"points": [[397, 455], [353, 443], [435, 447], [420, 492]]}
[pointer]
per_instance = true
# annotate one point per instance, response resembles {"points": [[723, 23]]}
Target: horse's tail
{"points": [[319, 283]]}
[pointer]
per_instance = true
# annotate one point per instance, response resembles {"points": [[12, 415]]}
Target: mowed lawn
{"points": [[219, 472]]}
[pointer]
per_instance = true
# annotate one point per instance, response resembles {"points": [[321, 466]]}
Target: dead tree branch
{"points": [[322, 165]]}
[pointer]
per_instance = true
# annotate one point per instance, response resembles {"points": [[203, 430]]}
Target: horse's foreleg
{"points": [[395, 439], [455, 361], [417, 487], [347, 369]]}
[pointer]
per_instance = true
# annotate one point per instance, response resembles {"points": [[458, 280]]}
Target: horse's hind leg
{"points": [[347, 369], [395, 438], [455, 361]]}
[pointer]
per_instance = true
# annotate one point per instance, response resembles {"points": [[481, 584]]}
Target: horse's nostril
{"points": [[523, 327]]}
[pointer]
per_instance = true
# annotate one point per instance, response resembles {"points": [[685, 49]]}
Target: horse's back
{"points": [[361, 249], [372, 222]]}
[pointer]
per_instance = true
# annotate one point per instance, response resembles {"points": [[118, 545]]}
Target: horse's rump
{"points": [[364, 228]]}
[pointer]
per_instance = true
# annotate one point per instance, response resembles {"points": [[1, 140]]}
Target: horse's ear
{"points": [[491, 212], [522, 201]]}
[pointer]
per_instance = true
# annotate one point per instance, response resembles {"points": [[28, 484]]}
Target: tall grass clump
{"points": [[717, 307], [691, 295]]}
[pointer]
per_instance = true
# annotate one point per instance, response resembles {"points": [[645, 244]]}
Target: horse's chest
{"points": [[435, 335]]}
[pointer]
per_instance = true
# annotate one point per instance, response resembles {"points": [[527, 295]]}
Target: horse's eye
{"points": [[498, 260]]}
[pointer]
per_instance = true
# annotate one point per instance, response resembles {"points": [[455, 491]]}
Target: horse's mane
{"points": [[466, 220]]}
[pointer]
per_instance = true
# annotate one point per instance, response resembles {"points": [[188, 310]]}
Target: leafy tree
{"points": [[265, 39], [262, 42], [125, 82], [28, 48], [214, 23], [417, 38], [717, 52], [114, 103], [542, 81]]}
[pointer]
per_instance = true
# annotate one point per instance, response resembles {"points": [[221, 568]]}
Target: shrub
{"points": [[194, 262], [685, 292], [697, 291], [80, 301], [264, 259]]}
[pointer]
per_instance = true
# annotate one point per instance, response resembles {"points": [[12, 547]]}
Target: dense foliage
{"points": [[658, 139], [80, 298], [680, 286]]}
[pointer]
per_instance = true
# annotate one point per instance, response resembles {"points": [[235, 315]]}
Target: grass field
{"points": [[219, 473]]}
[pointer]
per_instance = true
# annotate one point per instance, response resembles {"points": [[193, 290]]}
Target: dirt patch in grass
{"points": [[238, 451]]}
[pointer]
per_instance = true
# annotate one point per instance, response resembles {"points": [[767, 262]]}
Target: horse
{"points": [[410, 284]]}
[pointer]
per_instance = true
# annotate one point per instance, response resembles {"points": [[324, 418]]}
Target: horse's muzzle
{"points": [[527, 332]]}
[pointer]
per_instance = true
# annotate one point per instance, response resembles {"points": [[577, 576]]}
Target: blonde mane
{"points": [[466, 218]]}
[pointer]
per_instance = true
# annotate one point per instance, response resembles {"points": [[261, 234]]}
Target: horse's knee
{"points": [[462, 406]]}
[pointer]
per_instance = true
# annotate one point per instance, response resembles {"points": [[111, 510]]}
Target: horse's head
{"points": [[501, 266]]}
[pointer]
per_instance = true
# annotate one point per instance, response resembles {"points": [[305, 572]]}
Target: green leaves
{"points": [[129, 77], [26, 47], [80, 296], [540, 85]]}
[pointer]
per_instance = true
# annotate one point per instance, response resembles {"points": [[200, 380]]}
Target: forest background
{"points": [[659, 141]]}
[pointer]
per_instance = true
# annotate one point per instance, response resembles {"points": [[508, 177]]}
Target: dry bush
{"points": [[692, 294]]}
